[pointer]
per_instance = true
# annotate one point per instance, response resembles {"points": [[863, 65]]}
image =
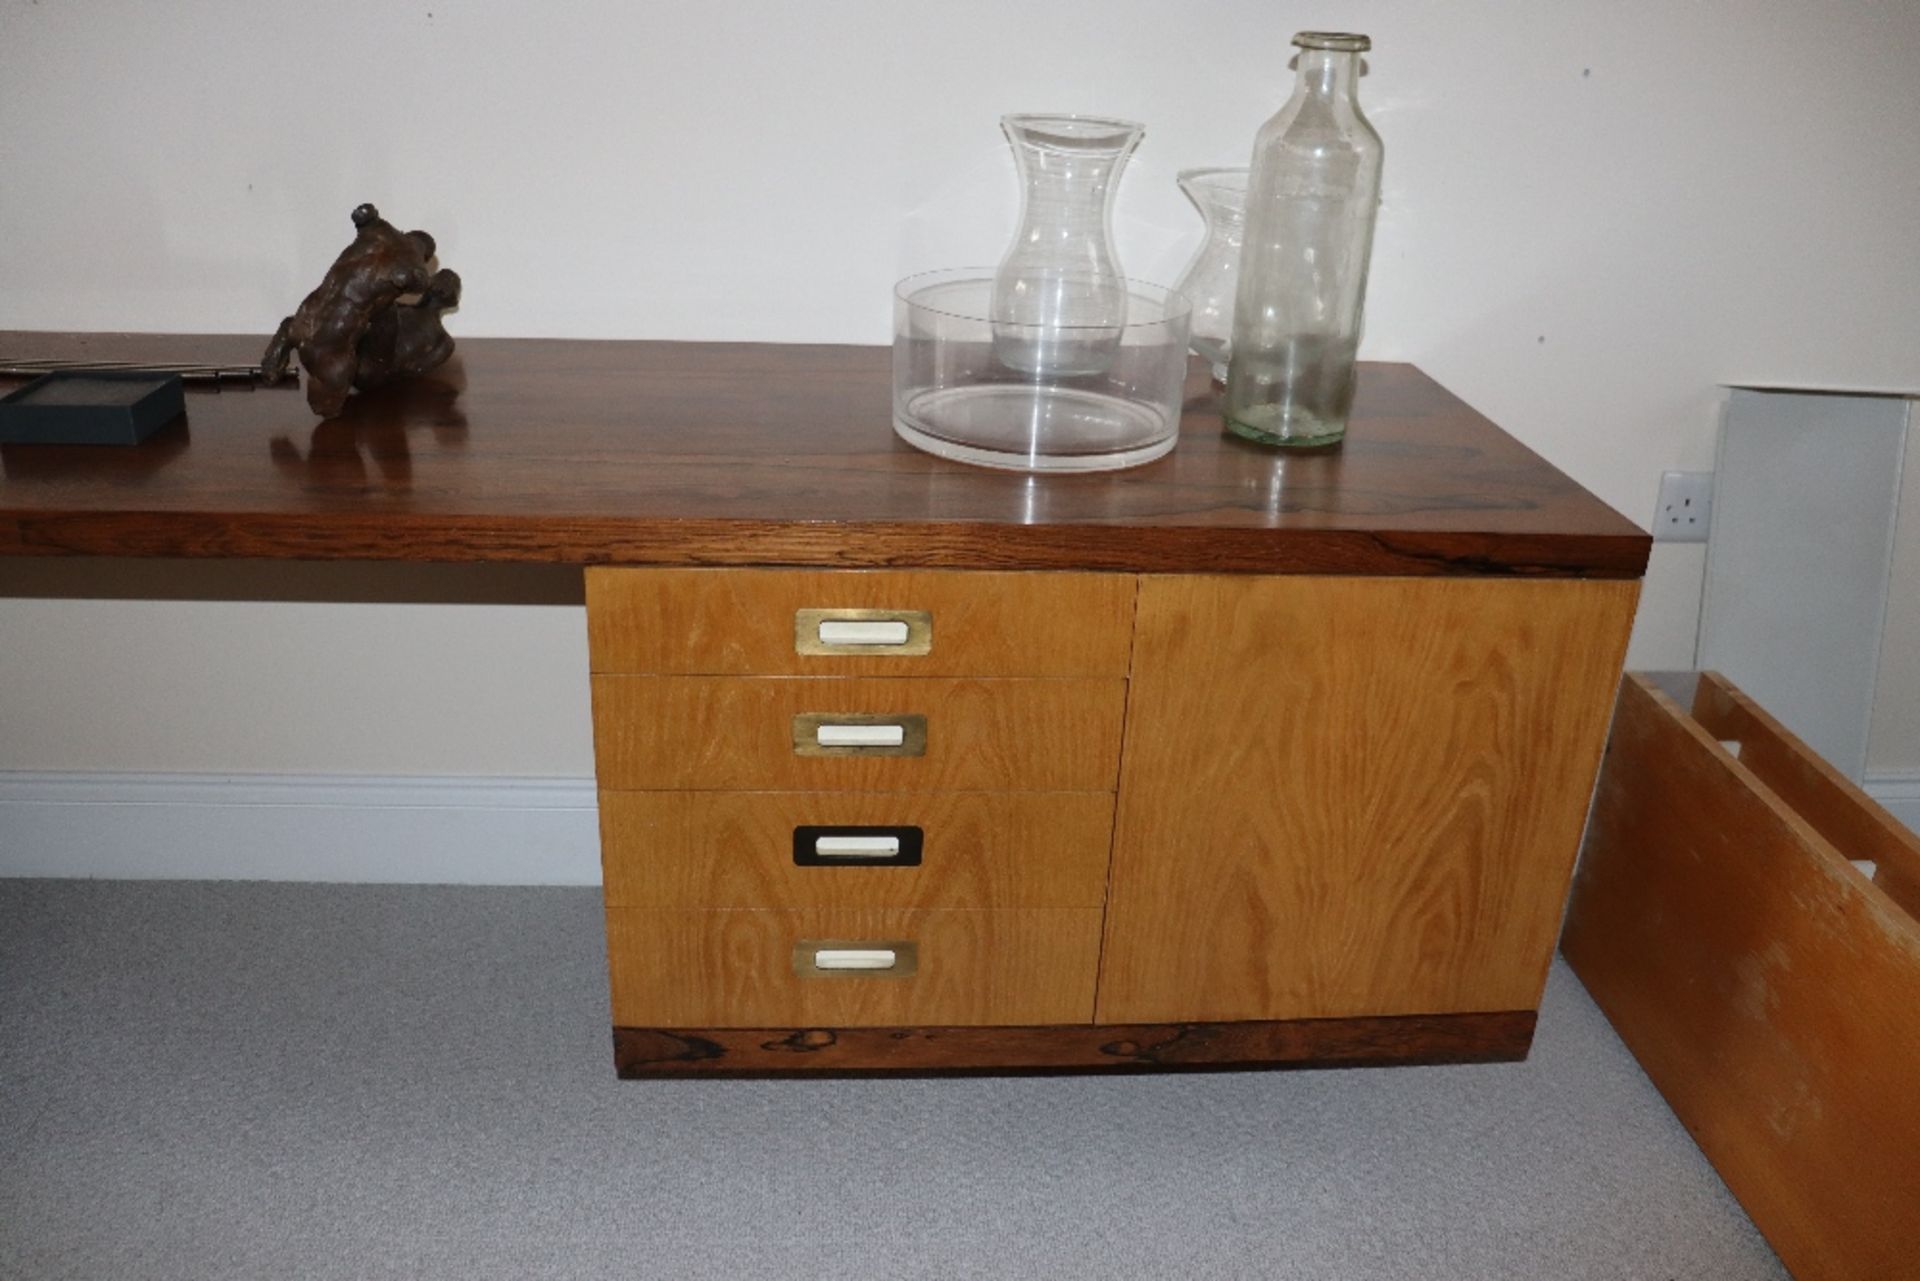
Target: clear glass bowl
{"points": [[956, 396]]}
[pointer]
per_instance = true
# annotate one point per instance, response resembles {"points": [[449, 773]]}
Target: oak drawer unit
{"points": [[1237, 758], [862, 798]]}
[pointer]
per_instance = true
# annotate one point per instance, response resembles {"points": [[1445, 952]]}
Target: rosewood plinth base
{"points": [[1499, 1037]]}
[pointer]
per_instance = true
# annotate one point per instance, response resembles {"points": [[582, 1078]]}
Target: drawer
{"points": [[1767, 985], [695, 969], [731, 733], [754, 622], [779, 849]]}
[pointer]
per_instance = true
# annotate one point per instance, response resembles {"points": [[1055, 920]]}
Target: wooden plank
{"points": [[1159, 1047], [735, 733], [1347, 797], [667, 453], [735, 849], [1850, 820], [735, 968], [740, 622], [1770, 991]]}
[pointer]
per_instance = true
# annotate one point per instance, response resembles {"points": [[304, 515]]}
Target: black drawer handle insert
{"points": [[857, 846]]}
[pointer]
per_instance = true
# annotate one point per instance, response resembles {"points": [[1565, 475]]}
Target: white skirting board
{"points": [[1900, 793], [465, 831]]}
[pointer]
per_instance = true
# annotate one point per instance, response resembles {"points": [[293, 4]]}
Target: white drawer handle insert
{"points": [[843, 632], [861, 735], [857, 846], [855, 958]]}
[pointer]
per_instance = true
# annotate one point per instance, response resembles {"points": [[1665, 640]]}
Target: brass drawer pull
{"points": [[839, 958], [857, 846], [901, 633], [859, 734]]}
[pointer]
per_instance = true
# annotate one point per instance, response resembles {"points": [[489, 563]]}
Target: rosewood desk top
{"points": [[667, 453]]}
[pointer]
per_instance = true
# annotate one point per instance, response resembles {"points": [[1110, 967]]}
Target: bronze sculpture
{"points": [[408, 338], [353, 331]]}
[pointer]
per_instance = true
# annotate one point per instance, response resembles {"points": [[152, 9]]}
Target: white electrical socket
{"points": [[1686, 507]]}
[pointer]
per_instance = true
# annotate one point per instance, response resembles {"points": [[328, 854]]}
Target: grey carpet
{"points": [[237, 1080]]}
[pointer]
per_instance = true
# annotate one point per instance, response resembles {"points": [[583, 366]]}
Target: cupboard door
{"points": [[1353, 796]]}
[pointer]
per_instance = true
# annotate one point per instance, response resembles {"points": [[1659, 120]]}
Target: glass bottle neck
{"points": [[1328, 76]]}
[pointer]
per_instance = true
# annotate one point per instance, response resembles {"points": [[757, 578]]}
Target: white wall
{"points": [[1595, 214], [1893, 747]]}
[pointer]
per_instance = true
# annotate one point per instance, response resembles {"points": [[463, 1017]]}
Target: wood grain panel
{"points": [[1347, 797], [670, 453], [735, 969], [740, 621], [735, 733], [1158, 1047], [1851, 821], [1770, 991], [735, 849]]}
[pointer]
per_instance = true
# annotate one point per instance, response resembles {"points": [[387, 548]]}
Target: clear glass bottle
{"points": [[1210, 278], [1311, 201], [1059, 297]]}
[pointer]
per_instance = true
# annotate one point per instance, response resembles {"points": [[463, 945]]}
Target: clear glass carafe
{"points": [[1311, 201], [1059, 298], [1210, 279]]}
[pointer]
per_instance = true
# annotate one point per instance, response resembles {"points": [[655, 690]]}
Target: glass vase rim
{"points": [[1169, 304], [1210, 175], [1114, 132]]}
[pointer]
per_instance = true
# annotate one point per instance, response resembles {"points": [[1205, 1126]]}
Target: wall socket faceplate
{"points": [[1686, 507]]}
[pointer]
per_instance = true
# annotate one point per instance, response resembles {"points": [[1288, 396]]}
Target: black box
{"points": [[90, 407]]}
